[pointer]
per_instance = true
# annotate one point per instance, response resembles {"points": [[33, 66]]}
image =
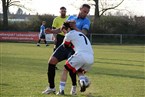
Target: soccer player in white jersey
{"points": [[81, 61], [60, 54]]}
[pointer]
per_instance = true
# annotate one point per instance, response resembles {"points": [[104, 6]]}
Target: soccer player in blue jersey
{"points": [[61, 53], [42, 34]]}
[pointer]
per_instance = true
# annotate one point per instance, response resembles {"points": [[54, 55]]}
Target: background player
{"points": [[42, 34]]}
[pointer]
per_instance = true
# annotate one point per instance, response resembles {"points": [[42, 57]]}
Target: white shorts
{"points": [[82, 61]]}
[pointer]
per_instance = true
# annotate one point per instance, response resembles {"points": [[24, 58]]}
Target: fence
{"points": [[118, 38]]}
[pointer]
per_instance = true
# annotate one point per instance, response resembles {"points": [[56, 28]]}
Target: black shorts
{"points": [[62, 53], [59, 40], [42, 36]]}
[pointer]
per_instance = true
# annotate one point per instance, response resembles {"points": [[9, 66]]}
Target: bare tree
{"points": [[5, 5], [101, 6], [104, 7], [19, 11], [110, 6]]}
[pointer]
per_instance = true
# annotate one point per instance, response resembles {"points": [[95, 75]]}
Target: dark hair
{"points": [[86, 5], [62, 8], [66, 25]]}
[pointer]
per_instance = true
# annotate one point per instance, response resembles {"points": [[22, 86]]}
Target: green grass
{"points": [[118, 71]]}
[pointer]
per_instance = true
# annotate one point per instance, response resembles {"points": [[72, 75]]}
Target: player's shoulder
{"points": [[42, 26], [72, 17], [67, 16], [58, 17], [87, 19], [74, 33]]}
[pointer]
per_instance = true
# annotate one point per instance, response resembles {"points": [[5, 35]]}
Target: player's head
{"points": [[84, 10], [62, 11], [67, 26], [43, 22]]}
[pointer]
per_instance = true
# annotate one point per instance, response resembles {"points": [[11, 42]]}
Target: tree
{"points": [[101, 6], [19, 11], [5, 5], [105, 8], [5, 13]]}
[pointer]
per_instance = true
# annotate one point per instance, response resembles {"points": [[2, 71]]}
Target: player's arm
{"points": [[67, 41], [84, 31], [85, 28], [52, 31]]}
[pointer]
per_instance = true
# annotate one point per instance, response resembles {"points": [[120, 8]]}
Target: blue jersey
{"points": [[42, 29], [80, 23]]}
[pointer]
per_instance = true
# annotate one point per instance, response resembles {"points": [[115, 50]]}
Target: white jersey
{"points": [[83, 57], [80, 42]]}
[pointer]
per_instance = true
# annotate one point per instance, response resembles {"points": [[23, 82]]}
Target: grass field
{"points": [[118, 71]]}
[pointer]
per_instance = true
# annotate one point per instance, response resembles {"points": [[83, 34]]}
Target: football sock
{"points": [[74, 88], [39, 40], [51, 75], [73, 78], [45, 42], [62, 85]]}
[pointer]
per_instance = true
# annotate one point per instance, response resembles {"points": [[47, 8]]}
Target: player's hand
{"points": [[48, 31]]}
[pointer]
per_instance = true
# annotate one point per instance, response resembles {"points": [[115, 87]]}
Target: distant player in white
{"points": [[81, 60]]}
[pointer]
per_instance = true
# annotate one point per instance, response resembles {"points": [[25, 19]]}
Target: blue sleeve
{"points": [[72, 17], [86, 24]]}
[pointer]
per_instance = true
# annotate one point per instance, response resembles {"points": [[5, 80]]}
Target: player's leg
{"points": [[51, 76], [62, 82], [59, 55], [38, 43], [45, 41], [57, 43], [86, 67], [74, 83], [72, 64], [81, 80]]}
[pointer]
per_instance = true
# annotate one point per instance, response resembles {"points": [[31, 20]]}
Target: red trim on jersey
{"points": [[70, 67], [67, 43], [72, 46]]}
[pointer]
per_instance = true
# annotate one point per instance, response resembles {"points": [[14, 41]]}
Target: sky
{"points": [[130, 7]]}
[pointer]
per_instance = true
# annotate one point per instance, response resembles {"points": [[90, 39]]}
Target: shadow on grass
{"points": [[120, 73], [121, 60], [129, 50], [119, 63], [4, 84]]}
